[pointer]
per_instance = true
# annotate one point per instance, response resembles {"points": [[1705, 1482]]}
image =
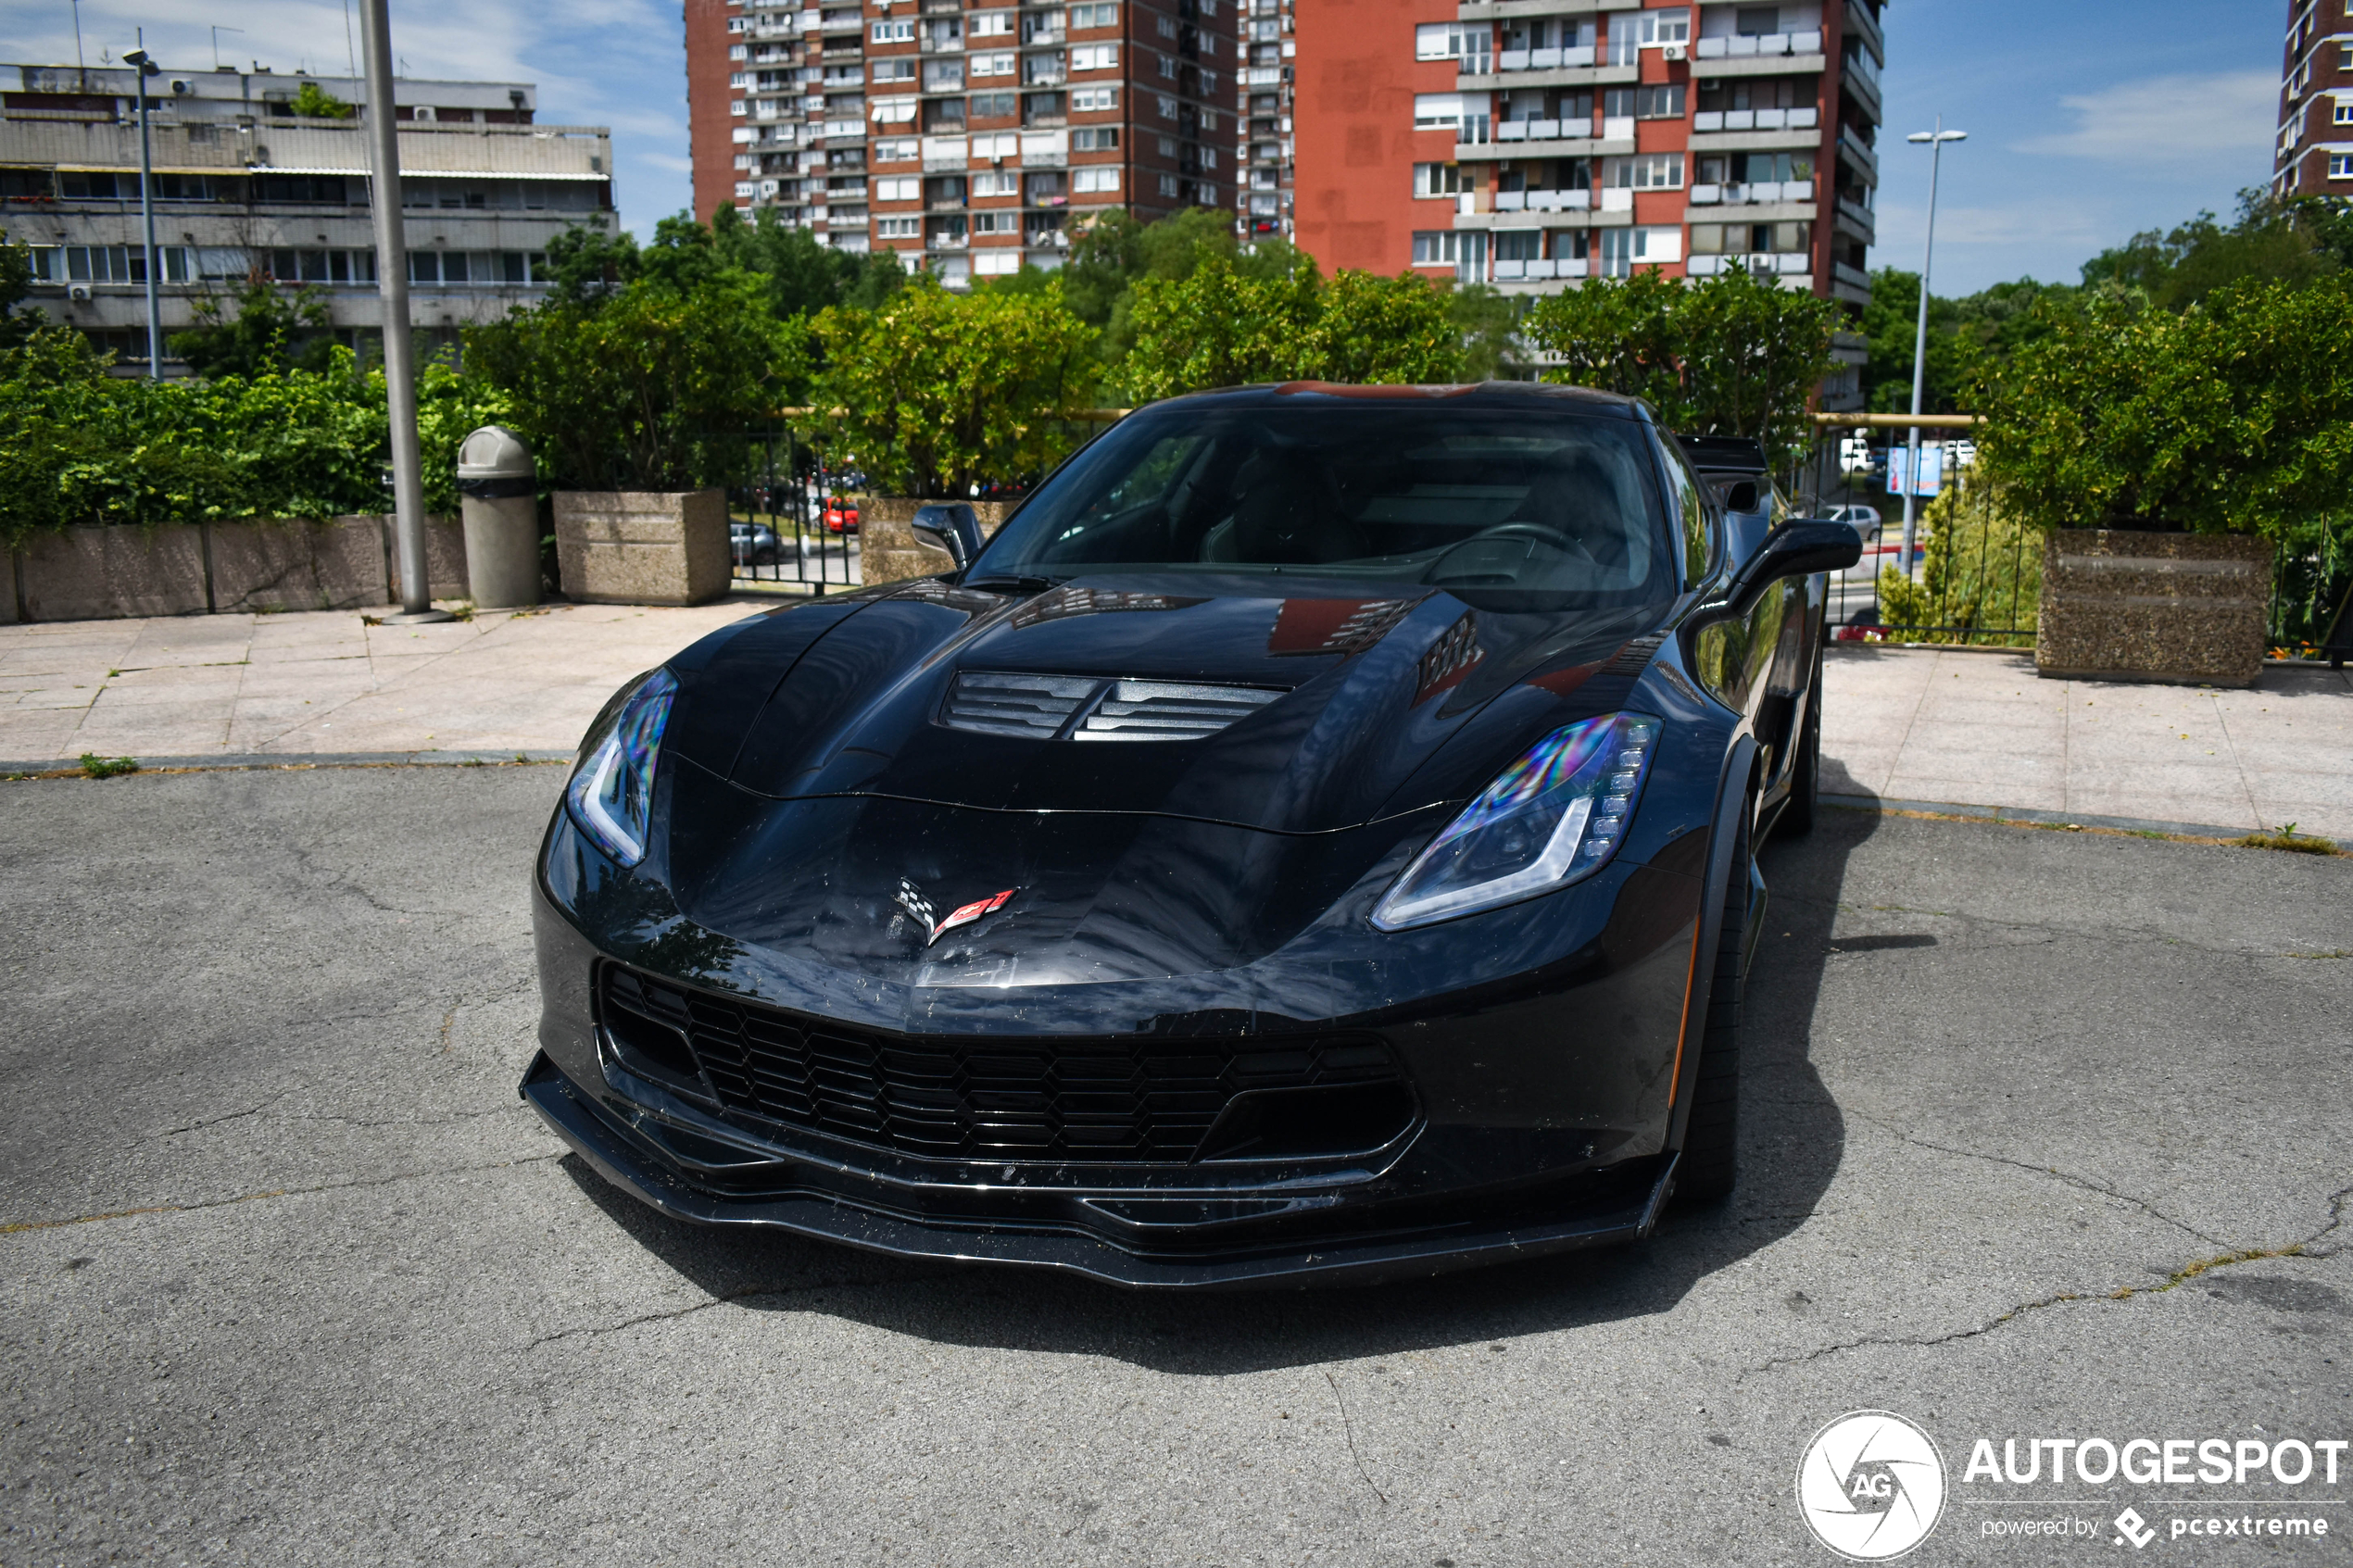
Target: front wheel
{"points": [[1710, 1165]]}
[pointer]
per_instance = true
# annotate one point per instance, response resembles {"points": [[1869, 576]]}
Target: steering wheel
{"points": [[1536, 531]]}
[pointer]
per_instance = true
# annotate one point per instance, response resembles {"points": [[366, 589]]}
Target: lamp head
{"points": [[139, 58], [1938, 136]]}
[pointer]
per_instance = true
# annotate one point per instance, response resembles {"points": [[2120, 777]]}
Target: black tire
{"points": [[1710, 1165], [1805, 772]]}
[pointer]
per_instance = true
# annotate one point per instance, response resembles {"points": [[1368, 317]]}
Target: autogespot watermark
{"points": [[1872, 1486]]}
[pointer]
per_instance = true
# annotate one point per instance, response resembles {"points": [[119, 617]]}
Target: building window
{"points": [[1093, 100], [1454, 41], [1103, 179], [1095, 57], [1168, 185], [992, 24], [1167, 27], [1437, 248], [1167, 106], [1644, 171], [1093, 16], [1005, 222], [906, 188], [1666, 26], [900, 31], [2344, 111], [1094, 139], [1617, 252], [896, 150], [901, 69], [2341, 166], [992, 65], [1438, 179], [1519, 245], [898, 227], [1659, 103]]}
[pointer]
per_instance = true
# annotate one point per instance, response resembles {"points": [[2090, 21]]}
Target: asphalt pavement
{"points": [[289, 1275]]}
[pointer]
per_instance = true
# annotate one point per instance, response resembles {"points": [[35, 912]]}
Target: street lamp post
{"points": [[392, 288], [138, 60], [1936, 140]]}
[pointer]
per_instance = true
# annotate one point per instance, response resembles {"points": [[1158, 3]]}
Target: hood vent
{"points": [[1076, 707]]}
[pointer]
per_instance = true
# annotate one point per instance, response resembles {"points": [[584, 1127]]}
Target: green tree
{"points": [[16, 281], [2268, 242], [587, 264], [647, 389], [263, 327], [314, 102], [1489, 323], [1372, 331], [933, 392], [1731, 356], [1218, 327], [2233, 416]]}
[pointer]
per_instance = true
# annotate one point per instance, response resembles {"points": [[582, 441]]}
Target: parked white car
{"points": [[1865, 519]]}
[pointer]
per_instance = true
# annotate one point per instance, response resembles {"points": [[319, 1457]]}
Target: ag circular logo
{"points": [[1872, 1485]]}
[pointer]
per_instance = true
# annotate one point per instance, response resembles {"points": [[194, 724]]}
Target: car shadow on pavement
{"points": [[1793, 1138]]}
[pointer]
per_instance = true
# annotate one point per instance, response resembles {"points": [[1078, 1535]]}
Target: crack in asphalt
{"points": [[1348, 1428], [2122, 935], [2182, 1275], [15, 1226], [723, 1298], [231, 1116], [2068, 1178]]}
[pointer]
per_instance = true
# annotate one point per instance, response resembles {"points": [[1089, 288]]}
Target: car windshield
{"points": [[1543, 501]]}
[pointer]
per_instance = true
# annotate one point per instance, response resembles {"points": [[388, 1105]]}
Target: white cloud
{"points": [[2203, 121]]}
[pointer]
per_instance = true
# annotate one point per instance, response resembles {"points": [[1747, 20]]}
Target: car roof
{"points": [[1492, 394]]}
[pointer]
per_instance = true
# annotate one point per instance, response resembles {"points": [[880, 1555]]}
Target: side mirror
{"points": [[1794, 550], [954, 528]]}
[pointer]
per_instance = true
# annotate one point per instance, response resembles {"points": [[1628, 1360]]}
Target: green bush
{"points": [[650, 388], [1219, 326], [934, 390]]}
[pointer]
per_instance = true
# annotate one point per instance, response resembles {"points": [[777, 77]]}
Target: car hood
{"points": [[1310, 706]]}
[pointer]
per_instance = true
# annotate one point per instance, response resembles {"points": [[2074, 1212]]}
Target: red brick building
{"points": [[971, 136], [2313, 155], [1532, 143]]}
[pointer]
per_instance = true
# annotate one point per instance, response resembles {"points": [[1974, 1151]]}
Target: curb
{"points": [[60, 767], [2038, 819]]}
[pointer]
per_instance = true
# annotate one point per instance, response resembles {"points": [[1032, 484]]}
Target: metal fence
{"points": [[1977, 576], [791, 522]]}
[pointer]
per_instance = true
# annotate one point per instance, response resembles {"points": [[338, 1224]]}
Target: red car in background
{"points": [[841, 517]]}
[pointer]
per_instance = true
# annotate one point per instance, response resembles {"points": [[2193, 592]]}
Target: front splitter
{"points": [[623, 1160]]}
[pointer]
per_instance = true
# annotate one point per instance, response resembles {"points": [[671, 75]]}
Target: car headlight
{"points": [[1552, 817], [611, 791]]}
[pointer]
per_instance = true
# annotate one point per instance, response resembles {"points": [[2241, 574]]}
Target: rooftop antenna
{"points": [[217, 31], [349, 56], [81, 67]]}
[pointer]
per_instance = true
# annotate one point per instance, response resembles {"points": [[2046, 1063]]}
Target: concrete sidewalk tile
{"points": [[52, 697], [60, 660], [31, 735]]}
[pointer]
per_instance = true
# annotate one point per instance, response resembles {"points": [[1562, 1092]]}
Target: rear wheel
{"points": [[1711, 1140]]}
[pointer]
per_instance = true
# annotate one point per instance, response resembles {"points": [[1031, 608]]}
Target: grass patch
{"points": [[2293, 842], [96, 767]]}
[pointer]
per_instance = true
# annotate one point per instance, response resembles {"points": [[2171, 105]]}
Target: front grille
{"points": [[1115, 1100], [1088, 708]]}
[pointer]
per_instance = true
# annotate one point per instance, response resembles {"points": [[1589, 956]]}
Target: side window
{"points": [[1691, 516]]}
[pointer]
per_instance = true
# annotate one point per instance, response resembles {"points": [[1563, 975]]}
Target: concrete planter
{"points": [[890, 549], [642, 547], [225, 568], [2183, 607]]}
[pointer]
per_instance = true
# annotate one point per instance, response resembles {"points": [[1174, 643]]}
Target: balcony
{"points": [[1541, 270], [1543, 201], [1752, 194], [1767, 45], [1757, 120], [1786, 264], [1544, 60]]}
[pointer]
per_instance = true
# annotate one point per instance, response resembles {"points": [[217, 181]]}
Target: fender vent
{"points": [[1082, 708]]}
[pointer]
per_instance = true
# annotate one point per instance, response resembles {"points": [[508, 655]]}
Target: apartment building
{"points": [[245, 189], [969, 136], [1270, 44], [2313, 153], [1533, 144]]}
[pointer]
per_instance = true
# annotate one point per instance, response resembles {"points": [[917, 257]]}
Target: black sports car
{"points": [[1313, 839]]}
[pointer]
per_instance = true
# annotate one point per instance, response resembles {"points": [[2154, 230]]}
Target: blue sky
{"points": [[2088, 120]]}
